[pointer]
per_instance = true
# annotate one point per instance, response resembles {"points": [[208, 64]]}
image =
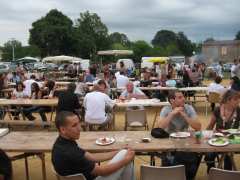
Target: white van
{"points": [[128, 63], [146, 64]]}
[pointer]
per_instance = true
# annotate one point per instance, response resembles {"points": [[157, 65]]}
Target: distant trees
{"points": [[119, 38], [237, 36], [19, 51], [169, 43], [91, 34], [53, 34], [56, 34]]}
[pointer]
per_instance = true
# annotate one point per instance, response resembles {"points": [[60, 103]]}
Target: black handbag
{"points": [[159, 133]]}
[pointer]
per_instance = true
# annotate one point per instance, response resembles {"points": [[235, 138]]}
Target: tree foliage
{"points": [[92, 34], [10, 47], [185, 46], [237, 36], [168, 43], [141, 49], [52, 34], [163, 38], [119, 38], [19, 50]]}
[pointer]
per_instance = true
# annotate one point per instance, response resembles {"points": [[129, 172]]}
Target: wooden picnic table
{"points": [[198, 88], [41, 142], [8, 103], [29, 102]]}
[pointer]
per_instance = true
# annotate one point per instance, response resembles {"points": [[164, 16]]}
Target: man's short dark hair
{"points": [[172, 94], [71, 87], [61, 118], [32, 76], [102, 82], [218, 79]]}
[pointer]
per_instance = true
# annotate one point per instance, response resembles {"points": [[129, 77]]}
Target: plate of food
{"points": [[103, 141], [180, 134], [218, 141]]}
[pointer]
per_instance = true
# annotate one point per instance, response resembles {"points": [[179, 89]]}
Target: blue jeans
{"points": [[40, 109]]}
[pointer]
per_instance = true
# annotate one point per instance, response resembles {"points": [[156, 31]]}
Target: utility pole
{"points": [[13, 50]]}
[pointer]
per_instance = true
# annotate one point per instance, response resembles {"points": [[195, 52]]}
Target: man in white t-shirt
{"points": [[217, 88], [28, 84], [122, 80], [96, 104]]}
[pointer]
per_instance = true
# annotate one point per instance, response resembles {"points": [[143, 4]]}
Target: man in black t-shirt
{"points": [[69, 159]]}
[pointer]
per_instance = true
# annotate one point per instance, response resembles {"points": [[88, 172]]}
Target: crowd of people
{"points": [[69, 158]]}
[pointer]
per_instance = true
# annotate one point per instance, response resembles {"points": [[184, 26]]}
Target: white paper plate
{"points": [[105, 141], [180, 134], [214, 143]]}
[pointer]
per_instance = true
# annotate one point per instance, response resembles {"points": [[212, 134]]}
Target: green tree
{"points": [[120, 38], [141, 49], [184, 45], [118, 46], [163, 38], [32, 51], [237, 36], [53, 34], [12, 48], [92, 34]]}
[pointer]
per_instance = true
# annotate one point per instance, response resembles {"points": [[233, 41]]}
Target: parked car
{"points": [[227, 67], [51, 66], [39, 67], [4, 68]]}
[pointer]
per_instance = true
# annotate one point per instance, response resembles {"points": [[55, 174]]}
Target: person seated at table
{"points": [[98, 105], [217, 88], [48, 89], [170, 82], [69, 158], [235, 83], [225, 116], [122, 79], [89, 77], [81, 87], [18, 93], [68, 100], [15, 78], [132, 91], [5, 166], [36, 94], [28, 84], [178, 117]]}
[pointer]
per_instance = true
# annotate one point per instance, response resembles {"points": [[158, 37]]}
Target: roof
{"points": [[222, 43]]}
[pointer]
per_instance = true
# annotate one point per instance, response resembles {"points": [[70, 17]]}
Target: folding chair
{"points": [[165, 173], [70, 177], [136, 118], [213, 97], [220, 174]]}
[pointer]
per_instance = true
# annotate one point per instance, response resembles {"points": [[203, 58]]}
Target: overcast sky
{"points": [[138, 19]]}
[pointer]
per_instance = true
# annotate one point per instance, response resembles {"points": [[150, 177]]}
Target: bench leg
{"points": [[26, 167]]}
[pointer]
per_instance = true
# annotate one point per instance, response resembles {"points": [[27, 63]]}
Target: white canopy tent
{"points": [[115, 52], [61, 59]]}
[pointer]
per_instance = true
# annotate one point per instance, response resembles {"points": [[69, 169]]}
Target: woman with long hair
{"points": [[226, 116]]}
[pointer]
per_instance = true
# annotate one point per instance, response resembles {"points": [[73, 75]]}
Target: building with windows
{"points": [[225, 51]]}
